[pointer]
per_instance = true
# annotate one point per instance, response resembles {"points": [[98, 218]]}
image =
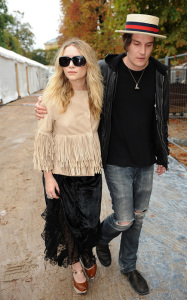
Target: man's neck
{"points": [[133, 66]]}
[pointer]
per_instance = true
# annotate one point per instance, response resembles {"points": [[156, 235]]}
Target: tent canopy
{"points": [[19, 76]]}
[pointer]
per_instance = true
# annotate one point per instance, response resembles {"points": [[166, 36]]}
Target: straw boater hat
{"points": [[144, 24]]}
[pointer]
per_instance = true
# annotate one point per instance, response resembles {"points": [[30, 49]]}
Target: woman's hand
{"points": [[51, 185], [40, 110]]}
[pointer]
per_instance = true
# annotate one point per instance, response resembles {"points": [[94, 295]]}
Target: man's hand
{"points": [[40, 110], [160, 170]]}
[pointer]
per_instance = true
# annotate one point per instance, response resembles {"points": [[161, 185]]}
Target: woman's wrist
{"points": [[48, 174]]}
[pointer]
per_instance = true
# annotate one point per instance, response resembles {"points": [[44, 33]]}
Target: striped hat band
{"points": [[144, 27]]}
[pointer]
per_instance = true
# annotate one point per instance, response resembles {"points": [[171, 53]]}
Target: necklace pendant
{"points": [[137, 87]]}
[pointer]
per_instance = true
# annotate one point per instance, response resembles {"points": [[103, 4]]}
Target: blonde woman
{"points": [[67, 150]]}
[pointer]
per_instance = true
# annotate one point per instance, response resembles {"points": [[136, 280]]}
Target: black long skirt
{"points": [[72, 221]]}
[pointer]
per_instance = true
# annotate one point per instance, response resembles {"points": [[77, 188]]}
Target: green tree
{"points": [[22, 32], [39, 55], [50, 56], [14, 34], [5, 20], [45, 57], [12, 43]]}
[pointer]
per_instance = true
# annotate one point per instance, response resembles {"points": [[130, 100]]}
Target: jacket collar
{"points": [[159, 66], [113, 60]]}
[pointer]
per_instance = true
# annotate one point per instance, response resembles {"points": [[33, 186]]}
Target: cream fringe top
{"points": [[68, 143]]}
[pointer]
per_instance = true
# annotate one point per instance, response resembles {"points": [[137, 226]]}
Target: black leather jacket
{"points": [[109, 68]]}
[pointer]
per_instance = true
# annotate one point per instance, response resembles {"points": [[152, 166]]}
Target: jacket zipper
{"points": [[160, 131], [115, 76]]}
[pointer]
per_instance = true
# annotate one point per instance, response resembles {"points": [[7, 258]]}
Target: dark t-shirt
{"points": [[131, 142]]}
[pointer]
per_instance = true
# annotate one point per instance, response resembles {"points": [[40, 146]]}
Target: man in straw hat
{"points": [[133, 136]]}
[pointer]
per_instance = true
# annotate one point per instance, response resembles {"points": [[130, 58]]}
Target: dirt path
{"points": [[23, 274], [21, 202]]}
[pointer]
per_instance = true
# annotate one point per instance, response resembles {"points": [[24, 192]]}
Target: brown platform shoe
{"points": [[91, 272], [82, 287]]}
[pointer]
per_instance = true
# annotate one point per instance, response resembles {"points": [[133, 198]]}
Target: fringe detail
{"points": [[43, 151], [77, 154]]}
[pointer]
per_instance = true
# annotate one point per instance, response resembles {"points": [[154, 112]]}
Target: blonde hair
{"points": [[59, 88]]}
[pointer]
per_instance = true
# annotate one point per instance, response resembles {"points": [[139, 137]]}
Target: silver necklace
{"points": [[136, 87]]}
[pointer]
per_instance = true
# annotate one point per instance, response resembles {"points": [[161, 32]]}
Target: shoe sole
{"points": [[141, 294], [78, 291], [88, 278]]}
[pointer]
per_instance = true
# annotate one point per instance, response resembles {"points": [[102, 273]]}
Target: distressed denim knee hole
{"points": [[123, 227], [139, 215], [125, 223], [140, 211]]}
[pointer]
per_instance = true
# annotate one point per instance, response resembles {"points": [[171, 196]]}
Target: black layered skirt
{"points": [[72, 222]]}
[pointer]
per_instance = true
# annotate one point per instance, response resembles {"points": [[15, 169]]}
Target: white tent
{"points": [[19, 76]]}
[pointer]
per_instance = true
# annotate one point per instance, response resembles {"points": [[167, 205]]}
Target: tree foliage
{"points": [[38, 55], [5, 20], [84, 19], [22, 32], [14, 34], [45, 57], [96, 22]]}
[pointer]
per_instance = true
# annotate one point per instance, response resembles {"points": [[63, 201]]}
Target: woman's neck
{"points": [[79, 86]]}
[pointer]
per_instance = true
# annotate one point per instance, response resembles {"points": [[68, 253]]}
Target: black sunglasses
{"points": [[78, 61]]}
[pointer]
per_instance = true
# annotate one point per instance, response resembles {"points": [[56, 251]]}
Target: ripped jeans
{"points": [[130, 190]]}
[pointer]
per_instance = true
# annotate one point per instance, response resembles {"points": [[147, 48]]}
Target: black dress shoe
{"points": [[137, 282], [103, 253]]}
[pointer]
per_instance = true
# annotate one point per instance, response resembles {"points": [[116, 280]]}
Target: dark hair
{"points": [[127, 39]]}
